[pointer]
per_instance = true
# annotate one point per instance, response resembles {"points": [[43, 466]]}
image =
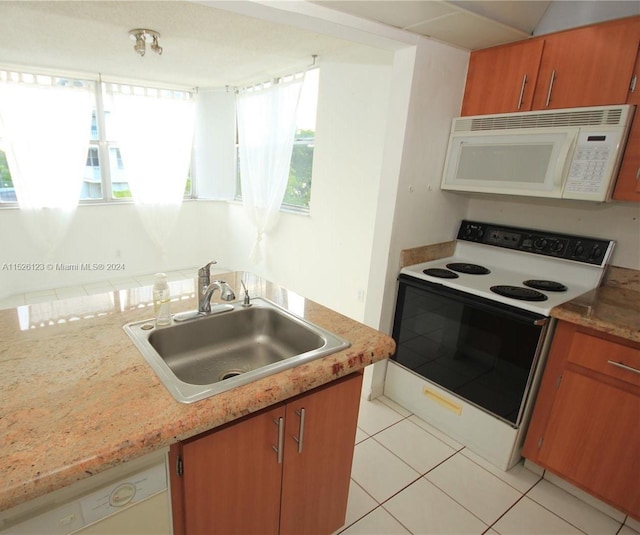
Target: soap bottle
{"points": [[161, 300]]}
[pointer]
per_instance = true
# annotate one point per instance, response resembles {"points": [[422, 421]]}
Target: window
{"points": [[114, 174], [298, 193], [7, 193], [104, 177], [45, 125]]}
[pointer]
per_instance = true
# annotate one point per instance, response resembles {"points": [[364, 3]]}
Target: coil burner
{"points": [[470, 269], [549, 286], [519, 292]]}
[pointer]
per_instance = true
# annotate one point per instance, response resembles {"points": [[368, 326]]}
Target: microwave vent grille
{"points": [[560, 119]]}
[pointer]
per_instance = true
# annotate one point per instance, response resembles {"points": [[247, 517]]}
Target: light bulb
{"points": [[155, 46], [140, 47]]}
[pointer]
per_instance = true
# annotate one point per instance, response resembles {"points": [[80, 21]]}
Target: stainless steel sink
{"points": [[207, 355]]}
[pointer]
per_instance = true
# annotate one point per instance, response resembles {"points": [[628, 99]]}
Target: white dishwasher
{"points": [[129, 499]]}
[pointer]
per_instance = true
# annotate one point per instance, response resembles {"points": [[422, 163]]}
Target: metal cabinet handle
{"points": [[553, 78], [279, 449], [524, 82], [634, 81], [624, 366], [300, 436]]}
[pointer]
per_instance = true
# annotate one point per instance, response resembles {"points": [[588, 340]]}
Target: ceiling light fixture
{"points": [[142, 37]]}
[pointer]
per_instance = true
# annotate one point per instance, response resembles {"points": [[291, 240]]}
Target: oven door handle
{"points": [[516, 314]]}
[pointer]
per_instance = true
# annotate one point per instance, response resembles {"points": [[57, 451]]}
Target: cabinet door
{"points": [[502, 79], [628, 183], [320, 437], [590, 66], [232, 478], [593, 439]]}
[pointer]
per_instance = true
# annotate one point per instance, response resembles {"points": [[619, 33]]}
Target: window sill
{"points": [[284, 209], [97, 202], [121, 202]]}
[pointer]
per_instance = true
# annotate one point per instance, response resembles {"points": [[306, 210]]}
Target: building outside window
{"points": [[104, 168]]}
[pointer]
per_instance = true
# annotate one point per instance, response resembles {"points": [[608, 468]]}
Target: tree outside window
{"points": [[7, 192], [298, 193]]}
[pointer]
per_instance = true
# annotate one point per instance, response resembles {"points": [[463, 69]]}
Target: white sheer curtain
{"points": [[46, 129], [154, 130], [266, 132]]}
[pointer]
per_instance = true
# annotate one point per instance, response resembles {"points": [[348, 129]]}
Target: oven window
{"points": [[477, 352]]}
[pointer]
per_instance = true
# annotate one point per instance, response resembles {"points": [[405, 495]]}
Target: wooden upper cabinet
{"points": [[589, 66], [502, 79], [628, 183]]}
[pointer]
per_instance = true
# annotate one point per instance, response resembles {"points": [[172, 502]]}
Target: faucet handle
{"points": [[204, 273]]}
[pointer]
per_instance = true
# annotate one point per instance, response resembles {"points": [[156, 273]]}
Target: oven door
{"points": [[480, 350]]}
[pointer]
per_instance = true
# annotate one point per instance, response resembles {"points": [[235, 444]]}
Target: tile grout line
{"points": [[522, 493], [556, 514]]}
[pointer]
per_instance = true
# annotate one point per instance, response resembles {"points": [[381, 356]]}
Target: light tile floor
{"points": [[408, 477]]}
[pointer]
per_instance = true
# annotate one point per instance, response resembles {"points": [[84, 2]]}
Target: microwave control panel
{"points": [[592, 163], [587, 250]]}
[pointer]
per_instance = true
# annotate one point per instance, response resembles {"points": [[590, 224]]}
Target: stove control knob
{"points": [[595, 252], [540, 243], [473, 233], [557, 246], [579, 249]]}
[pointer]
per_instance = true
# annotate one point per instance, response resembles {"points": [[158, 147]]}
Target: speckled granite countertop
{"points": [[613, 308], [78, 398]]}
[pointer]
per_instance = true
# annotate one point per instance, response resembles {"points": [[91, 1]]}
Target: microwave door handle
{"points": [[561, 166]]}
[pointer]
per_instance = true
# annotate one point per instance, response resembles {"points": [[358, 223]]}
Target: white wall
{"points": [[428, 82], [412, 211], [325, 255]]}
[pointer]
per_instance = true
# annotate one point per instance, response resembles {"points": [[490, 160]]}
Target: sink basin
{"points": [[209, 354]]}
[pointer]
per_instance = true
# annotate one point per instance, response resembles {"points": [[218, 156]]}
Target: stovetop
{"points": [[513, 256]]}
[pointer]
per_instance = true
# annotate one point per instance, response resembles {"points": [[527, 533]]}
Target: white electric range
{"points": [[473, 330]]}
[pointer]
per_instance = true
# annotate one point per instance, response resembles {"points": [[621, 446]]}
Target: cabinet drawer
{"points": [[606, 357]]}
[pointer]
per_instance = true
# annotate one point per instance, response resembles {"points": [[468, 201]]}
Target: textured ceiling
{"points": [[203, 46]]}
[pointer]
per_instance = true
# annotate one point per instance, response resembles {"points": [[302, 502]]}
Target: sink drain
{"points": [[229, 374]]}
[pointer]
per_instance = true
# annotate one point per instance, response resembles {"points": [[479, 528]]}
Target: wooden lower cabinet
{"points": [[586, 423], [283, 470]]}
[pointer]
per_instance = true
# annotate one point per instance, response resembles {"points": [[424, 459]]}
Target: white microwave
{"points": [[565, 154]]}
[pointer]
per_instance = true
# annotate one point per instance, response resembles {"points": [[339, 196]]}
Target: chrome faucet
{"points": [[206, 289], [226, 294]]}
